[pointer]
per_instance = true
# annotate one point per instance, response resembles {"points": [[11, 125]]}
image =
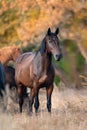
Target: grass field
{"points": [[69, 112]]}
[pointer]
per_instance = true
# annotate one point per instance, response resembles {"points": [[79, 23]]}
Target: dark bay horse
{"points": [[35, 70]]}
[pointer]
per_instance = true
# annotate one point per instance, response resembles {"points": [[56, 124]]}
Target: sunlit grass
{"points": [[68, 112]]}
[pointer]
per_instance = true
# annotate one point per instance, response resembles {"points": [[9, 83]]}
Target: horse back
{"points": [[25, 56], [23, 70]]}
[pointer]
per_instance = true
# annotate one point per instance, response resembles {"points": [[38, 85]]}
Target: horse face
{"points": [[17, 51], [52, 44]]}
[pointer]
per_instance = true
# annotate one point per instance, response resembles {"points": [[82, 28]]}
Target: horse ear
{"points": [[43, 47], [49, 31], [57, 31]]}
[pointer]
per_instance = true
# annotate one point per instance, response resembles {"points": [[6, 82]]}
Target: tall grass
{"points": [[68, 113]]}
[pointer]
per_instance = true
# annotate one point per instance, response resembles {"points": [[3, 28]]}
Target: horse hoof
{"points": [[20, 111], [36, 111], [49, 110]]}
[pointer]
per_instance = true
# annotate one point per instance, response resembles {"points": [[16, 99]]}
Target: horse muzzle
{"points": [[58, 57]]}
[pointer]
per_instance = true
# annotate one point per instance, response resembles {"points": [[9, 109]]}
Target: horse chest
{"points": [[49, 80]]}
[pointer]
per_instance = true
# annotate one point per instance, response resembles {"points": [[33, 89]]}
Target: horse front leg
{"points": [[31, 100], [36, 104], [49, 91], [20, 95]]}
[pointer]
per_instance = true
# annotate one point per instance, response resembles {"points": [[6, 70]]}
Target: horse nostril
{"points": [[58, 57]]}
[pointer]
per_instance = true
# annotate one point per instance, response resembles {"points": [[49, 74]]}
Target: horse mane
{"points": [[42, 48]]}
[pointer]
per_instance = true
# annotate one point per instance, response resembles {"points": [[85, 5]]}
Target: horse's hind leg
{"points": [[36, 104], [20, 94], [49, 93]]}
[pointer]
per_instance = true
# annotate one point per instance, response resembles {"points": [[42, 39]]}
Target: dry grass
{"points": [[69, 112]]}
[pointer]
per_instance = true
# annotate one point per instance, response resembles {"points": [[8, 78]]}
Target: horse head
{"points": [[50, 44], [16, 52]]}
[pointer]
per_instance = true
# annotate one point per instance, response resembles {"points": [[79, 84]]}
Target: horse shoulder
{"points": [[25, 56]]}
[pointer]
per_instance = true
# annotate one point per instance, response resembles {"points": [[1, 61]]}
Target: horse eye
{"points": [[51, 41]]}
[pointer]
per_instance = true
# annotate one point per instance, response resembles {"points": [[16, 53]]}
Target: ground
{"points": [[69, 112]]}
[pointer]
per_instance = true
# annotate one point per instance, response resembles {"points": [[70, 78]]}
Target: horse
{"points": [[9, 53], [2, 79], [35, 70]]}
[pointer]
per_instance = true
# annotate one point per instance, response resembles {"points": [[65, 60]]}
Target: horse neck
{"points": [[46, 56], [46, 61]]}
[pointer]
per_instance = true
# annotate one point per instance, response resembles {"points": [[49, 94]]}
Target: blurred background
{"points": [[26, 22]]}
